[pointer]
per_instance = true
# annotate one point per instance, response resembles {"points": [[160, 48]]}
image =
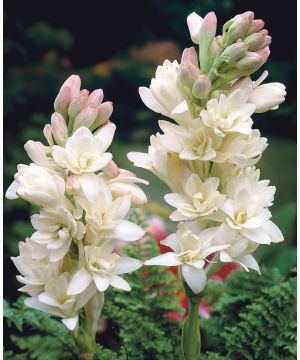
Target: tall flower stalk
{"points": [[207, 156], [84, 199]]}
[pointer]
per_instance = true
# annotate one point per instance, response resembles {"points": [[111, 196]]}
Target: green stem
{"points": [[190, 339]]}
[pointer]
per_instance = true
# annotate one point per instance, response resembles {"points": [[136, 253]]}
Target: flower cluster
{"points": [[207, 158], [84, 199]]}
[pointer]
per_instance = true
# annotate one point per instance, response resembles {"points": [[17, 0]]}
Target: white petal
{"points": [[259, 236], [11, 192], [176, 199], [180, 108], [126, 264], [127, 231], [195, 278], [106, 134], [167, 259], [48, 300], [119, 283], [149, 100], [250, 262], [274, 231], [91, 186], [79, 282], [171, 242], [101, 282], [71, 323]]}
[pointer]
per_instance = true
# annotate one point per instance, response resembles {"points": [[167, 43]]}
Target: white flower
{"points": [[34, 265], [103, 267], [196, 143], [84, 152], [191, 248], [265, 97], [105, 219], [242, 150], [198, 200], [165, 95], [246, 210], [38, 186], [229, 114], [55, 300], [55, 230], [166, 164], [194, 22]]}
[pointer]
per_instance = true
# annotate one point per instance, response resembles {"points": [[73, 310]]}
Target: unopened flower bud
{"points": [[250, 60], [59, 129], [188, 73], [190, 55], [37, 153], [207, 34], [73, 185], [255, 26], [95, 97], [216, 47], [238, 27], [258, 41], [201, 87], [104, 112], [48, 134], [62, 101], [111, 169], [73, 82], [86, 117], [78, 103], [234, 52], [138, 197], [194, 22]]}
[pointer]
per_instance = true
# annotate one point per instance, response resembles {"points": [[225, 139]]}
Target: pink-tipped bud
{"points": [[62, 101], [234, 52], [72, 185], [86, 117], [190, 55], [201, 87], [78, 103], [111, 169], [73, 82], [96, 97], [48, 134], [104, 112], [249, 61], [59, 129], [207, 34], [188, 73], [255, 26], [255, 41], [238, 27], [216, 46]]}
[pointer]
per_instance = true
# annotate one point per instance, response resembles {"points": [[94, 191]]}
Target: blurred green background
{"points": [[117, 45]]}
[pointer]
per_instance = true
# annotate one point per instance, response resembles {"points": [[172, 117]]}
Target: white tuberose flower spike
{"points": [[206, 157], [84, 201]]}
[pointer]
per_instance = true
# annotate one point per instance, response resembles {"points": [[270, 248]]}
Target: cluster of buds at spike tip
{"points": [[75, 108], [241, 50]]}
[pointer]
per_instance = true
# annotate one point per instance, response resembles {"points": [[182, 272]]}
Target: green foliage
{"points": [[254, 317], [145, 331]]}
